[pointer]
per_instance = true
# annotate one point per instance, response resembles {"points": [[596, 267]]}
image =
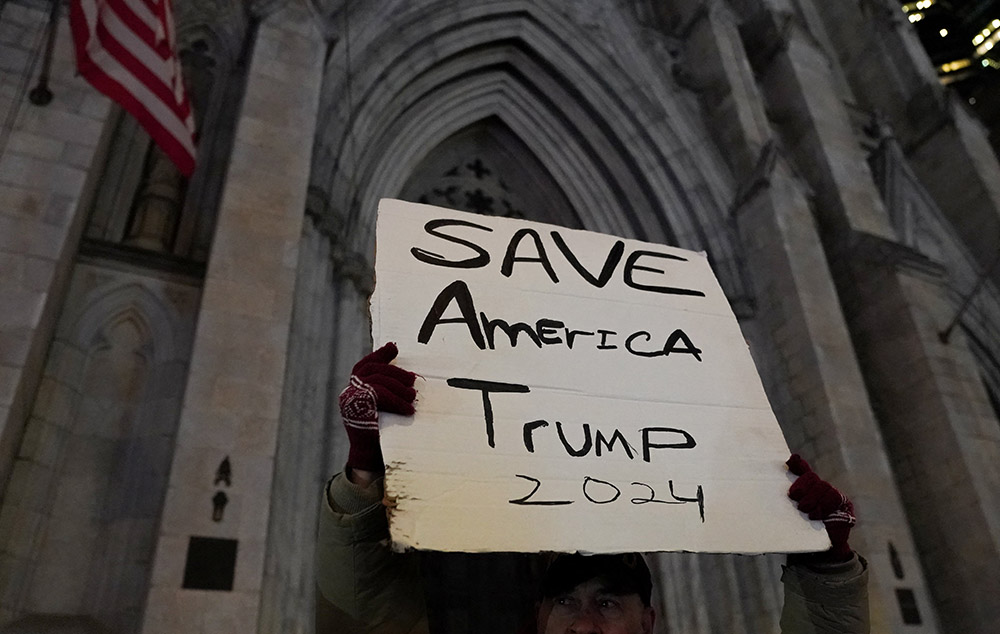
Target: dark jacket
{"points": [[362, 586]]}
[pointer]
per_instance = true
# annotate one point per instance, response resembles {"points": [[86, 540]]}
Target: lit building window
{"points": [[958, 64], [916, 17], [987, 38], [918, 6]]}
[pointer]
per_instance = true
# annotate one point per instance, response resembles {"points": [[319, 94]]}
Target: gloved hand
{"points": [[375, 385], [821, 501]]}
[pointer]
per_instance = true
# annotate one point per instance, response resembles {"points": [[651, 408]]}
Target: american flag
{"points": [[125, 49]]}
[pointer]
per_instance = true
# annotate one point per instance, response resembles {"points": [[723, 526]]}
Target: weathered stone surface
{"points": [[742, 128]]}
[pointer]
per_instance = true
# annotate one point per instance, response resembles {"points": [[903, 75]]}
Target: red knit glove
{"points": [[821, 501], [375, 385]]}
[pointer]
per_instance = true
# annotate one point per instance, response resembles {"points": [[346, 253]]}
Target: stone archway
{"points": [[486, 168], [596, 106], [95, 460], [619, 148]]}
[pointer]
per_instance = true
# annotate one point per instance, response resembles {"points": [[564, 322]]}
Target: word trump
{"points": [[599, 443]]}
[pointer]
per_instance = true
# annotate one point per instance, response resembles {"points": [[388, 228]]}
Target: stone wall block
{"points": [[256, 436], [168, 569], [249, 577], [43, 175], [39, 191], [166, 613], [19, 530], [69, 127], [22, 307], [216, 431], [237, 615], [35, 146], [244, 298]]}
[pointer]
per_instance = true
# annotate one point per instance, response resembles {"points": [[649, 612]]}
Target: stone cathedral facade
{"points": [[171, 350]]}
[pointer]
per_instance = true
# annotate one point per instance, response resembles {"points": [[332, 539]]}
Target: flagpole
{"points": [[40, 95]]}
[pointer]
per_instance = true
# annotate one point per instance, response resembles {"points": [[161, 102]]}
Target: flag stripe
{"points": [[123, 14], [157, 83], [161, 62], [143, 12], [159, 102], [114, 53], [124, 49], [166, 117], [150, 4], [182, 154]]}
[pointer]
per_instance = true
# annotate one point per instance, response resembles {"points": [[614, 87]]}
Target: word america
{"points": [[544, 331]]}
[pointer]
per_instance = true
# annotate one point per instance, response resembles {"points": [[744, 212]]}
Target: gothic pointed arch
{"points": [[486, 168], [132, 303], [98, 449], [642, 168]]}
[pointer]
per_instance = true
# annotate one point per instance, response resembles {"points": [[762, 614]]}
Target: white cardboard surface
{"points": [[721, 487]]}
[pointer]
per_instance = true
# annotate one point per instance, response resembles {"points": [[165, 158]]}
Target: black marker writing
{"points": [[458, 292], [429, 257], [601, 441], [688, 442], [507, 269], [526, 500], [543, 332], [597, 491], [587, 442], [530, 427], [586, 482], [593, 439], [614, 257], [517, 252], [631, 267], [486, 387]]}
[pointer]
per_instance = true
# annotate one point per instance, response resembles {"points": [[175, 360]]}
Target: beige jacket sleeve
{"points": [[361, 585], [826, 599]]}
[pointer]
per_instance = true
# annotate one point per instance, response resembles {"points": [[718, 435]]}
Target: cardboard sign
{"points": [[579, 392]]}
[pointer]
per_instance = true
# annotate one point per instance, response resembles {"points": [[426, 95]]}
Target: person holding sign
{"points": [[363, 586]]}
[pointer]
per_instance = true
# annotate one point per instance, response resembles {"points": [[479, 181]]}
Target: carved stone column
{"points": [[232, 400]]}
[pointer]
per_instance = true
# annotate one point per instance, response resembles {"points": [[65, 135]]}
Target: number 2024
{"points": [[597, 491]]}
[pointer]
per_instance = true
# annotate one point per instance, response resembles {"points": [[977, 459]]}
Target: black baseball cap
{"points": [[624, 573]]}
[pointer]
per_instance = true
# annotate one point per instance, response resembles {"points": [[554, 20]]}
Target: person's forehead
{"points": [[601, 585]]}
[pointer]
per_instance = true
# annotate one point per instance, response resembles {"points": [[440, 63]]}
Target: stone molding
{"points": [[346, 263], [629, 167], [222, 24], [879, 251]]}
